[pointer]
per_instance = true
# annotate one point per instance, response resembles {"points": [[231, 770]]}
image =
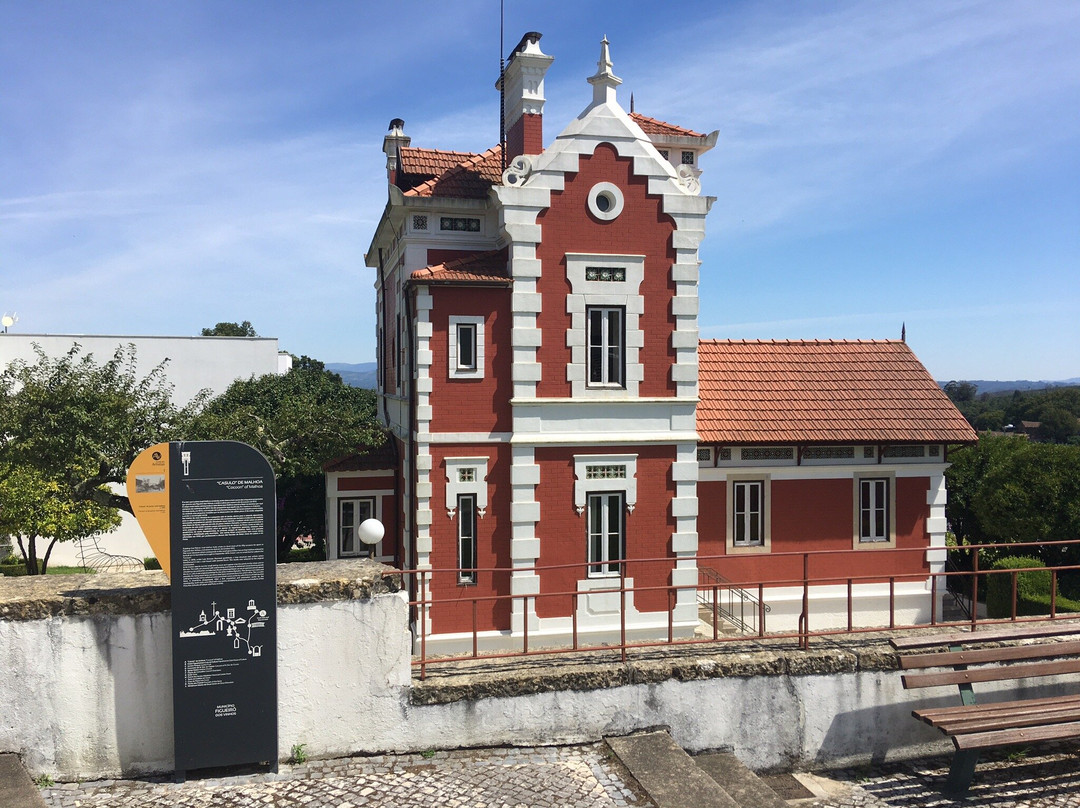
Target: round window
{"points": [[605, 201]]}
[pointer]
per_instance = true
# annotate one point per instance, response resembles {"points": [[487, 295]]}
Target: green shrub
{"points": [[151, 563], [17, 568], [306, 554], [1032, 589]]}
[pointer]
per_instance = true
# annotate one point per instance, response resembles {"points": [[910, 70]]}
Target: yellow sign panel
{"points": [[148, 492]]}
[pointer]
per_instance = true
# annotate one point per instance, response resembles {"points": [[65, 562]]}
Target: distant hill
{"points": [[992, 387], [363, 375]]}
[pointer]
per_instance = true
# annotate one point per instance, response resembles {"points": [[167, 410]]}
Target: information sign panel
{"points": [[223, 564]]}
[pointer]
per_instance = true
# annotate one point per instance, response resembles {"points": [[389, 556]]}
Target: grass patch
{"points": [[20, 569]]}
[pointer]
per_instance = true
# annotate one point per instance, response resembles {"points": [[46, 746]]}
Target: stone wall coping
{"points": [[38, 597]]}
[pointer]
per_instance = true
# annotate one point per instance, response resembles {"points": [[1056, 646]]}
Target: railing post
{"points": [[423, 624], [850, 606], [933, 599], [1053, 593], [622, 610], [892, 601], [804, 639], [761, 608], [525, 624], [671, 615], [715, 615], [474, 632], [573, 618], [975, 590], [1013, 574]]}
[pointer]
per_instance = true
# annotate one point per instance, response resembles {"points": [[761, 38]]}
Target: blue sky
{"points": [[165, 166]]}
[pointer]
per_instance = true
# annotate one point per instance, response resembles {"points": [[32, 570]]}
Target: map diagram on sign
{"points": [[238, 627]]}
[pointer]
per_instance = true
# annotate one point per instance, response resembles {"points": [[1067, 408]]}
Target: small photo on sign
{"points": [[149, 483]]}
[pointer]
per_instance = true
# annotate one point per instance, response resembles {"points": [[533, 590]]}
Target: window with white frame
{"points": [[351, 512], [606, 528], [466, 516], [748, 511], [875, 518], [605, 340], [466, 347]]}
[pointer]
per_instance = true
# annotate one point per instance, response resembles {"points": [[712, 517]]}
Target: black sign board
{"points": [[224, 605]]}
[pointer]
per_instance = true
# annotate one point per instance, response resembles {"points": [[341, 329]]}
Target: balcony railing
{"points": [[854, 604]]}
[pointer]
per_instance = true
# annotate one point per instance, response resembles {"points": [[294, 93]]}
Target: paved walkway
{"points": [[565, 777]]}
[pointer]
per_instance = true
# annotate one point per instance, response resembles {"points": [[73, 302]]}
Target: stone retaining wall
{"points": [[86, 683]]}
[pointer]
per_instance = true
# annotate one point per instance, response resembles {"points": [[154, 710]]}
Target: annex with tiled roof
{"points": [[651, 126], [470, 178], [755, 392], [486, 268]]}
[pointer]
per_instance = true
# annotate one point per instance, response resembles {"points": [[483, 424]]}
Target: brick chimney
{"points": [[524, 97], [394, 140]]}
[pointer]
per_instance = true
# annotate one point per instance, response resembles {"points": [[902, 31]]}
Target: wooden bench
{"points": [[974, 727]]}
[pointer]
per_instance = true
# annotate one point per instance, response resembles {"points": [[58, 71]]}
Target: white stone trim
{"points": [[469, 437], [453, 371], [477, 487], [614, 197], [583, 486]]}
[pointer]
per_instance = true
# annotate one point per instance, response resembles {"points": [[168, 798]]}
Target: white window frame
{"points": [[765, 517], [455, 369], [466, 533], [878, 485], [610, 366], [585, 294], [343, 530], [583, 485], [605, 549]]}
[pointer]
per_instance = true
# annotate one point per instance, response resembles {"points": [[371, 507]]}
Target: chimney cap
{"points": [[396, 123], [531, 38]]}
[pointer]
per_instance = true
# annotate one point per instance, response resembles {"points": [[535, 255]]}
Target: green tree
{"points": [[961, 391], [244, 329], [1008, 489], [79, 424], [35, 508], [299, 421]]}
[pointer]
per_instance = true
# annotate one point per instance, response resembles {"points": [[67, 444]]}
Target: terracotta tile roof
{"points": [[651, 126], [429, 162], [821, 392], [377, 459], [470, 178], [486, 267]]}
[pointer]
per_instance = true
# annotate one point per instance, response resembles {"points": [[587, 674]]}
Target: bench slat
{"points": [[911, 680], [963, 725], [996, 707], [986, 740], [983, 655], [1027, 631]]}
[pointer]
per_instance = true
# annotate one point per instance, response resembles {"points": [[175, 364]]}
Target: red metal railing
{"points": [[815, 571]]}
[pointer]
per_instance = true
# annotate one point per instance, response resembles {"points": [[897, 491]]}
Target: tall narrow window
{"points": [[606, 538], [874, 509], [351, 512], [606, 337], [466, 346], [749, 512], [466, 509]]}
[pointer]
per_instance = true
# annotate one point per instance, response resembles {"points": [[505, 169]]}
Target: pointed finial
{"points": [[631, 102], [903, 332], [604, 82]]}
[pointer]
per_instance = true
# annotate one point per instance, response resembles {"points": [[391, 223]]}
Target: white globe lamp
{"points": [[371, 532]]}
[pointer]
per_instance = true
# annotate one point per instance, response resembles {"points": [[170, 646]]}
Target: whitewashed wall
{"points": [[91, 697]]}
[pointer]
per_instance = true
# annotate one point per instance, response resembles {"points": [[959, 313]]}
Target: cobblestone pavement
{"points": [[1042, 781], [545, 777], [567, 777]]}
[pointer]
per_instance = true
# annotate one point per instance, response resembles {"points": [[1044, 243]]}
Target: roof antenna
{"points": [[502, 88]]}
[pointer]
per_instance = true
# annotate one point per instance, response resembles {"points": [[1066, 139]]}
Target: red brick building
{"points": [[558, 428]]}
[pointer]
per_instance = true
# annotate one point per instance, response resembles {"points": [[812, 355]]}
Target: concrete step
{"points": [[669, 775], [17, 790], [741, 784]]}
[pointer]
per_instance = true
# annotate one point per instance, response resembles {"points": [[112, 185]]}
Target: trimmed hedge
{"points": [[13, 569], [1032, 589]]}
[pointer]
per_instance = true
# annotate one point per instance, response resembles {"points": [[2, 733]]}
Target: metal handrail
{"points": [[709, 581]]}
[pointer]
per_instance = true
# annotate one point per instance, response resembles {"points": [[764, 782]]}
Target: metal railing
{"points": [[729, 602], [511, 618]]}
